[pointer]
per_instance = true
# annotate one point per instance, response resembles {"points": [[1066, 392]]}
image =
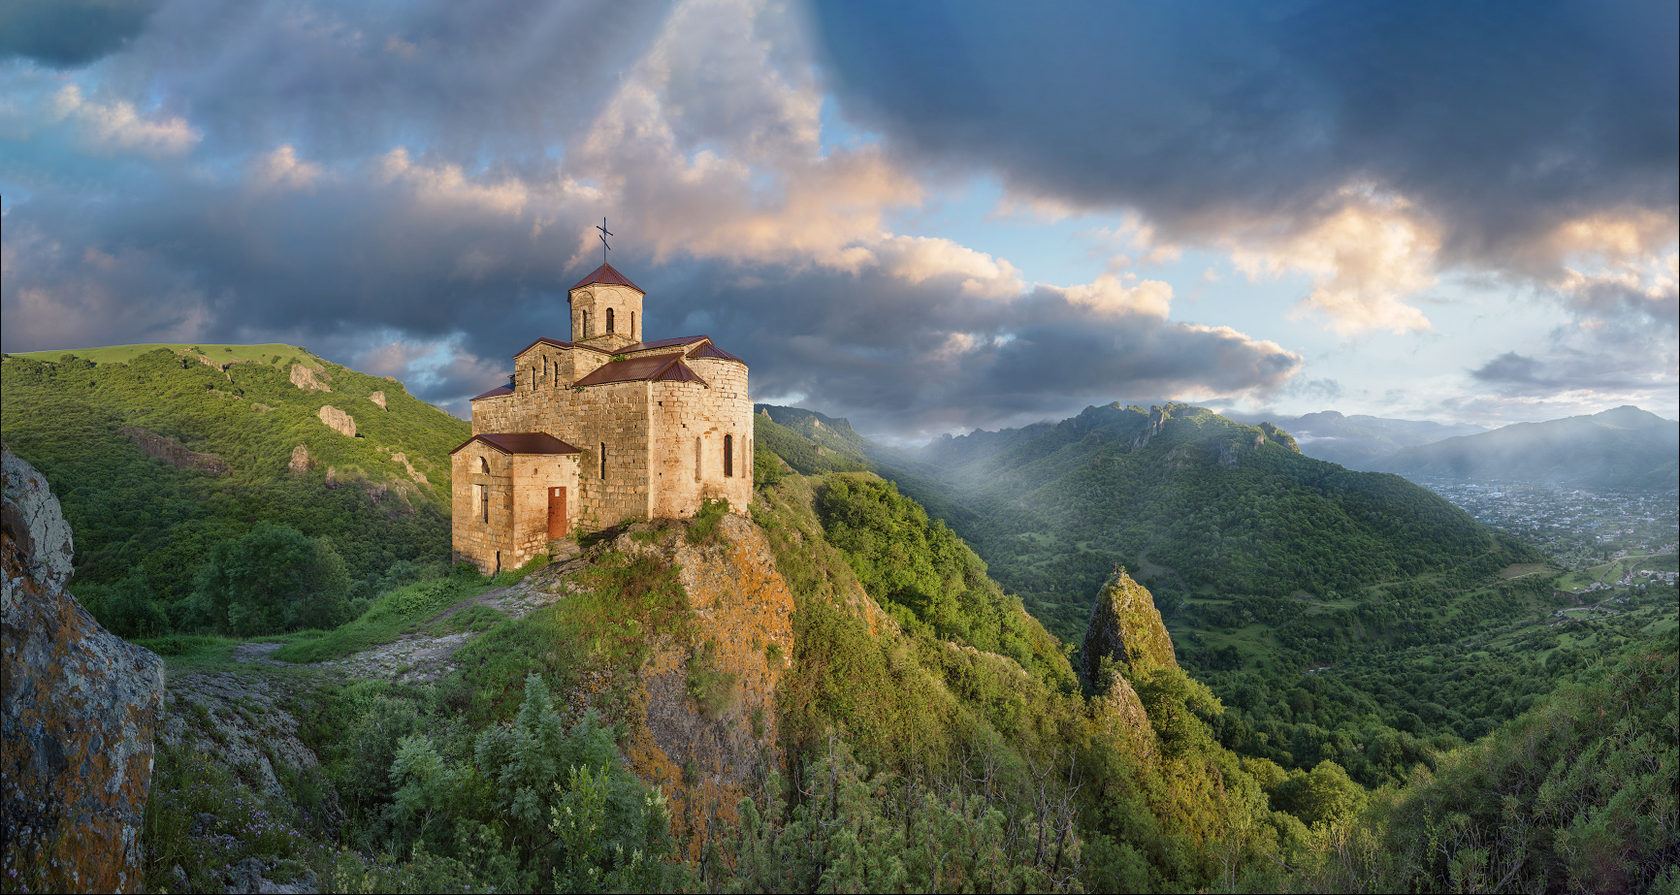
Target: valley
{"points": [[1179, 654]]}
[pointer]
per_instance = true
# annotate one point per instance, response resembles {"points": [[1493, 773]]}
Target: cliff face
{"points": [[79, 708], [709, 722], [1126, 627]]}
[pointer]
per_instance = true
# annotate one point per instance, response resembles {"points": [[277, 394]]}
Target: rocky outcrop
{"points": [[79, 709], [378, 398], [1278, 436], [1158, 417], [173, 452], [1127, 628], [300, 460], [309, 380], [415, 474], [1120, 717], [337, 420]]}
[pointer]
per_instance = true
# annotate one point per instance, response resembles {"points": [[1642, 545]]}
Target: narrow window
{"points": [[484, 465], [603, 461], [632, 324], [728, 455], [698, 457], [481, 499], [610, 320]]}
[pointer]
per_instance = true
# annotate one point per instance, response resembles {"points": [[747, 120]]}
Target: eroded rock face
{"points": [[173, 452], [77, 716], [337, 420], [300, 460], [1126, 627], [415, 474], [378, 398], [308, 379]]}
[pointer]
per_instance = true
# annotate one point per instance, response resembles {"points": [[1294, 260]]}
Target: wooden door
{"points": [[556, 513]]}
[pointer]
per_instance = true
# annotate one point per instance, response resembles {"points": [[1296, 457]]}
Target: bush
{"points": [[704, 528], [271, 580]]}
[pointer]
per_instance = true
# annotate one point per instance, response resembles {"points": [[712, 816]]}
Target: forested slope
{"points": [[161, 455], [1195, 505]]}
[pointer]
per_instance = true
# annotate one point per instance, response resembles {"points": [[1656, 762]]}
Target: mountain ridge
{"points": [[1624, 447]]}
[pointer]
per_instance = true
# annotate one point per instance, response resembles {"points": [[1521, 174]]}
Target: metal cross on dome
{"points": [[603, 237]]}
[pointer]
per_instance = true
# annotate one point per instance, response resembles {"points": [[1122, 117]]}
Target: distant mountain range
{"points": [[1193, 503], [1624, 448], [1356, 441]]}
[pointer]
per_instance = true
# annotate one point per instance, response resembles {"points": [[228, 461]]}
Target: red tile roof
{"points": [[521, 443], [634, 347], [658, 368], [560, 344], [496, 392], [608, 275], [711, 350]]}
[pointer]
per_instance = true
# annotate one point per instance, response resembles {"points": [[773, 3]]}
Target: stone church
{"points": [[599, 429]]}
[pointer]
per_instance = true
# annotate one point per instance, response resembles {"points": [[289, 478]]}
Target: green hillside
{"points": [[161, 453], [1199, 508]]}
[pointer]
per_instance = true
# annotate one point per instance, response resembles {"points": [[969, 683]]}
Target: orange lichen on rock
{"points": [[79, 709], [707, 752]]}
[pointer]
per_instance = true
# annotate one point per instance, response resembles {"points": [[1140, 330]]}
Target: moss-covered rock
{"points": [[1126, 628]]}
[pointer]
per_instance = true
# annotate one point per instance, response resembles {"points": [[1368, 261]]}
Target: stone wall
{"points": [[516, 490], [483, 543], [648, 430], [589, 314], [684, 412]]}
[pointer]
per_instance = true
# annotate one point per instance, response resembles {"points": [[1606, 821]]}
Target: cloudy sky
{"points": [[926, 219]]}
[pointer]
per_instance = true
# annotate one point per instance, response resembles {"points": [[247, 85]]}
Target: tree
{"points": [[272, 579]]}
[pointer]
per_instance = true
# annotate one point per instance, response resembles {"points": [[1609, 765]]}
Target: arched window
{"points": [[610, 320], [533, 377], [728, 455], [603, 461], [484, 465]]}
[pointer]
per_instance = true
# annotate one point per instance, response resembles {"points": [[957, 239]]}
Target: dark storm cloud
{"points": [[1500, 121], [408, 195], [69, 33], [498, 80], [913, 360]]}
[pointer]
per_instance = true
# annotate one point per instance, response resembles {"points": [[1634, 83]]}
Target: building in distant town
{"points": [[598, 429]]}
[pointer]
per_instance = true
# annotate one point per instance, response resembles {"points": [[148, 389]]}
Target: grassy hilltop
{"points": [[160, 453]]}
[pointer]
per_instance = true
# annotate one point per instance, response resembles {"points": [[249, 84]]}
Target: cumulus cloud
{"points": [[1515, 138], [421, 214], [115, 126], [1363, 257]]}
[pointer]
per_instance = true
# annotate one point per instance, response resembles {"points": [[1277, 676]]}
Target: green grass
{"points": [[222, 354], [477, 618], [192, 650], [398, 612]]}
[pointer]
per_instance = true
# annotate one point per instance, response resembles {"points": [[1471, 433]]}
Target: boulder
{"points": [[300, 460], [378, 398], [1127, 628], [309, 380], [77, 715], [337, 420]]}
